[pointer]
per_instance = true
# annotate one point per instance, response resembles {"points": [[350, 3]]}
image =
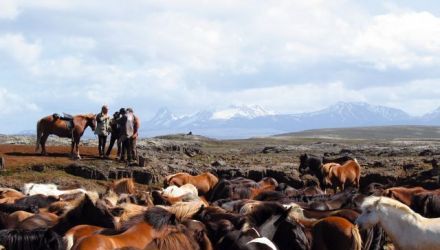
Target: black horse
{"points": [[40, 239]]}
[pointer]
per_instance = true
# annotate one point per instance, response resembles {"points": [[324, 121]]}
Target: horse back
{"points": [[48, 125]]}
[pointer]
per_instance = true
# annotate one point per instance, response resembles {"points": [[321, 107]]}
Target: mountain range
{"points": [[253, 121]]}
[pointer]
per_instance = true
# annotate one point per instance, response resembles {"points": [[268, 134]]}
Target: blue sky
{"points": [[288, 56]]}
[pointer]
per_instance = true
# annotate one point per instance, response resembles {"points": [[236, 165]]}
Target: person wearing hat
{"points": [[102, 129]]}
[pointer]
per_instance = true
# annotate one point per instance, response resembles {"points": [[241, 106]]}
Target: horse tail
{"points": [[69, 241], [357, 240], [39, 134]]}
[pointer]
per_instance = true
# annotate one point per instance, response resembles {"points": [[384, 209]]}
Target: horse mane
{"points": [[376, 201], [173, 241], [157, 217], [125, 185], [31, 239], [3, 220], [184, 210], [263, 211], [85, 210], [270, 196]]}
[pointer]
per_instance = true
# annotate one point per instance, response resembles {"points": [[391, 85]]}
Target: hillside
{"points": [[250, 121], [376, 133]]}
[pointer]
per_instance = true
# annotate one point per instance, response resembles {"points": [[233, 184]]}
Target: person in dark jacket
{"points": [[126, 123], [115, 135]]}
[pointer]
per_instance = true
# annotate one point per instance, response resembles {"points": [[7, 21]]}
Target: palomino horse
{"points": [[49, 125], [407, 229], [203, 182]]}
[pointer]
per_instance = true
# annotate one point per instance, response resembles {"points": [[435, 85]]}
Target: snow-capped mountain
{"points": [[248, 121], [243, 111], [163, 117]]}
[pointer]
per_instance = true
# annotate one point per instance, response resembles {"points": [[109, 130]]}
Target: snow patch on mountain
{"points": [[242, 111]]}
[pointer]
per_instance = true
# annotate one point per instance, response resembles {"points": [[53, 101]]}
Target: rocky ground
{"points": [[394, 162]]}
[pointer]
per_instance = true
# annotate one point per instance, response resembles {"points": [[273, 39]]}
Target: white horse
{"points": [[188, 192], [48, 189], [407, 229]]}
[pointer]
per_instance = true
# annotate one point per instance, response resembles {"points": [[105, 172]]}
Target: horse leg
{"points": [[75, 147], [77, 150], [43, 143], [71, 148]]}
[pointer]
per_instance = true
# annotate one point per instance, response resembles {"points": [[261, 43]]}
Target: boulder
{"points": [[2, 163], [86, 172]]}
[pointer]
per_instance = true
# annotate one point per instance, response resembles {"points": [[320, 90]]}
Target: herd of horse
{"points": [[204, 212]]}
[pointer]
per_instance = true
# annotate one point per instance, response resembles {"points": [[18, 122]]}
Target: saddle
{"points": [[67, 118]]}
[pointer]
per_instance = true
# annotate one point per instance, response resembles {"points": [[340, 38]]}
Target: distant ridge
{"points": [[375, 132], [253, 121]]}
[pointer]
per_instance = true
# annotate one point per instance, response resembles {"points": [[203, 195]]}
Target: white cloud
{"points": [[401, 40], [81, 43], [11, 103], [8, 9], [191, 55], [15, 46], [416, 97]]}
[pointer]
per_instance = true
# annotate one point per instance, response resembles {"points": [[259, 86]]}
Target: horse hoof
{"points": [[76, 157]]}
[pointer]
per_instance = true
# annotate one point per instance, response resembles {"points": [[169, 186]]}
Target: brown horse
{"points": [[335, 233], [341, 175], [203, 182], [404, 194], [49, 125], [123, 186], [138, 232]]}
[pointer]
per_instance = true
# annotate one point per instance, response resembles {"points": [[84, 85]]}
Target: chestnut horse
{"points": [[138, 232], [406, 195], [203, 182], [49, 125], [340, 176]]}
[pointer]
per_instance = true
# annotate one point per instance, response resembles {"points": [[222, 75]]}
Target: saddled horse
{"points": [[50, 125]]}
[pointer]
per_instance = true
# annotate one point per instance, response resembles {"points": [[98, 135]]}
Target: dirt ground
{"points": [[22, 162], [378, 158]]}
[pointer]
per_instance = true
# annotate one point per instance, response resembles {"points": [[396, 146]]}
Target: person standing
{"points": [[115, 135], [127, 128], [102, 129], [136, 126]]}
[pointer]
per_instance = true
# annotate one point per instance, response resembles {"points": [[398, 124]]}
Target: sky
{"points": [[287, 56]]}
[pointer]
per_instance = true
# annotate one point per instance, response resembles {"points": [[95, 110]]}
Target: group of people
{"points": [[123, 129]]}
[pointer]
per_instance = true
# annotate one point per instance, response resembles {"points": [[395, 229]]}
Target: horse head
{"points": [[303, 162], [369, 216], [91, 121]]}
